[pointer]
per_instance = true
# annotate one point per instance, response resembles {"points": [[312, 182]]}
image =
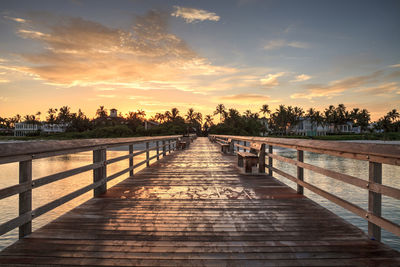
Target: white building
{"points": [[113, 113], [308, 128], [150, 124], [23, 128]]}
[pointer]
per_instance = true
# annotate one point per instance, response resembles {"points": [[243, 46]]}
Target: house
{"points": [[24, 128], [113, 113], [264, 122], [306, 127], [150, 124]]}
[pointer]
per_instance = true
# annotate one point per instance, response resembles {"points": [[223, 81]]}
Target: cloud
{"points": [[245, 97], [81, 52], [19, 20], [193, 15], [279, 43], [395, 66], [271, 80], [335, 88], [4, 80], [382, 89], [3, 99], [301, 78]]}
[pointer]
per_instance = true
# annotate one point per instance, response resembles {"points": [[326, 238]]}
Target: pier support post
{"points": [[270, 160], [375, 199], [300, 171], [131, 160], [158, 149], [100, 173], [25, 198], [147, 154], [261, 159]]}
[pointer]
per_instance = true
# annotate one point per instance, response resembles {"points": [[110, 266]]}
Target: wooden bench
{"points": [[184, 142], [225, 145], [248, 160]]}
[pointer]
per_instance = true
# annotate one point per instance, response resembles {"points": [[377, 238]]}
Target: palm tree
{"points": [[174, 113], [393, 115], [190, 115], [199, 118], [64, 114], [51, 118], [101, 112], [220, 109], [38, 115], [265, 110], [209, 120], [248, 113], [168, 115]]}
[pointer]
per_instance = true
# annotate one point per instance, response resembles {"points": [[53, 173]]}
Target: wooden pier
{"points": [[194, 208]]}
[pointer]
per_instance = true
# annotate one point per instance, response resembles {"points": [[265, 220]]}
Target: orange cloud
{"points": [[82, 52], [337, 87]]}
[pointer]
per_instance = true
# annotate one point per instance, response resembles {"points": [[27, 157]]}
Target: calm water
{"points": [[45, 194]]}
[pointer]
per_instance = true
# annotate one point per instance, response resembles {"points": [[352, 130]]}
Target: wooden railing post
{"points": [[261, 159], [158, 150], [131, 160], [375, 199], [147, 154], [169, 146], [231, 147], [300, 171], [25, 198], [244, 144], [270, 160], [100, 174], [164, 149]]}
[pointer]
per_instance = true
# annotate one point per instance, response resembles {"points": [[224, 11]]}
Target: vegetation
{"points": [[280, 123]]}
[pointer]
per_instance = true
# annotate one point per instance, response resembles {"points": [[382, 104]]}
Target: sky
{"points": [[155, 55]]}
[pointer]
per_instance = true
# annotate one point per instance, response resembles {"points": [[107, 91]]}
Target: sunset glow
{"points": [[155, 55]]}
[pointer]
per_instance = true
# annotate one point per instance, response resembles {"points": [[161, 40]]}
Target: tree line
{"points": [[231, 121]]}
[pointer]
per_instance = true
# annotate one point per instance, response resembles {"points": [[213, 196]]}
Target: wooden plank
{"points": [[15, 189], [147, 155]]}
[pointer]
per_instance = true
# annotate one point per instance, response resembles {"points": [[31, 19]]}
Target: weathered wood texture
{"points": [[193, 208]]}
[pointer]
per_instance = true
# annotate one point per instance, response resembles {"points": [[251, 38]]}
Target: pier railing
{"points": [[24, 153], [375, 154]]}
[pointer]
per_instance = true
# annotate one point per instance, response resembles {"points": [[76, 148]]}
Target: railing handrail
{"points": [[11, 152], [25, 153], [382, 153], [375, 154]]}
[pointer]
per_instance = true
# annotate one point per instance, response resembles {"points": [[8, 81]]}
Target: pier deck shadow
{"points": [[194, 208]]}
